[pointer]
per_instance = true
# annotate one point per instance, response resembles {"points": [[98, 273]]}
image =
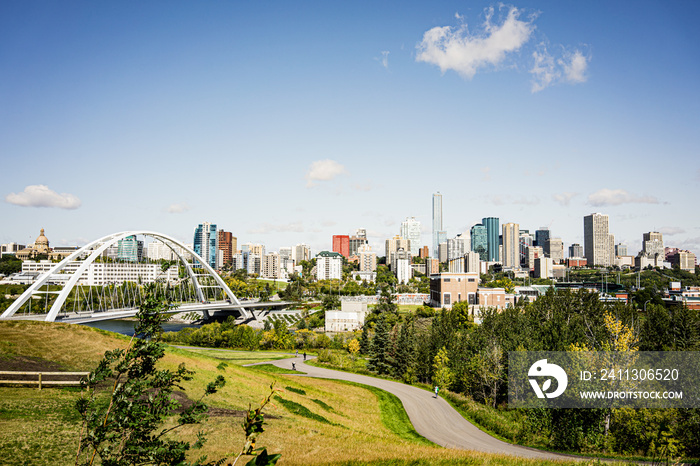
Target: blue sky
{"points": [[288, 122]]}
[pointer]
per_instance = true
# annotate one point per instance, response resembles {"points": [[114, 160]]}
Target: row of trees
{"points": [[472, 360]]}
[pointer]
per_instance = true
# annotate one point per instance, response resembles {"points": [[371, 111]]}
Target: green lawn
{"points": [[237, 357]]}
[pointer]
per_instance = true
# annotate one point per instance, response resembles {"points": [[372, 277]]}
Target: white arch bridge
{"points": [[61, 294]]}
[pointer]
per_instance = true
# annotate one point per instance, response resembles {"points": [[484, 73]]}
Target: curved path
{"points": [[433, 418]]}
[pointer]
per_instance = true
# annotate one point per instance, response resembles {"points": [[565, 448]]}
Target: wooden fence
{"points": [[37, 378]]}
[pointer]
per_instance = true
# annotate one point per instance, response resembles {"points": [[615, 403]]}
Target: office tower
{"points": [[410, 229], [442, 252], [393, 245], [130, 249], [653, 244], [576, 250], [437, 222], [301, 252], [598, 243], [341, 245], [541, 236], [621, 249], [531, 255], [456, 247], [368, 259], [511, 245], [206, 243], [357, 240], [479, 241], [526, 240], [424, 252], [228, 245], [492, 241], [554, 249]]}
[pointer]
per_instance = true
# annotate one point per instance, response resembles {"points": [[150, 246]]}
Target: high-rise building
{"points": [[410, 229], [341, 245], [393, 245], [368, 259], [301, 252], [598, 243], [653, 243], [437, 222], [471, 262], [576, 250], [620, 249], [526, 240], [329, 265], [541, 236], [479, 241], [533, 253], [511, 245], [401, 265], [206, 243], [554, 249], [492, 241], [456, 247], [271, 265], [228, 245], [130, 249], [357, 240], [424, 252]]}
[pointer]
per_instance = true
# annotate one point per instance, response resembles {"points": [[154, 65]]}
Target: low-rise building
{"points": [[449, 288], [350, 317]]}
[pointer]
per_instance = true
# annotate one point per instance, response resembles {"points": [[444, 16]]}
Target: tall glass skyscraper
{"points": [[438, 233], [479, 241], [206, 243], [492, 234]]}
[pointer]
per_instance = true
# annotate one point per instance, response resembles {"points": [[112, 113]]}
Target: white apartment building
{"points": [[598, 243], [329, 266], [271, 265], [99, 273]]}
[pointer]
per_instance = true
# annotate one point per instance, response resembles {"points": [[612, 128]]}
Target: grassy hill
{"points": [[311, 421]]}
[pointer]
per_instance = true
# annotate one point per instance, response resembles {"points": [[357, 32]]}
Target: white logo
{"points": [[541, 368]]}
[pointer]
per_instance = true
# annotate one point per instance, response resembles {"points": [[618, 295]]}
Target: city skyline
{"points": [[112, 111]]}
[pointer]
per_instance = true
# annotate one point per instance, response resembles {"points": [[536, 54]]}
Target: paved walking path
{"points": [[433, 418]]}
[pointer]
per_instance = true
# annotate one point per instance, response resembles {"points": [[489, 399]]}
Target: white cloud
{"points": [[178, 208], [323, 170], [547, 71], [544, 70], [564, 198], [670, 231], [575, 65], [606, 196], [40, 195], [265, 228], [384, 60], [466, 52]]}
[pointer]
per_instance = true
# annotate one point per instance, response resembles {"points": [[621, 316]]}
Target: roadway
{"points": [[433, 418]]}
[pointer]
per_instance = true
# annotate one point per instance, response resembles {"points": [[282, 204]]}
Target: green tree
{"points": [[406, 353], [128, 427], [442, 375], [380, 359]]}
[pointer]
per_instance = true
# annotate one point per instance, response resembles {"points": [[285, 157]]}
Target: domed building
{"points": [[41, 250]]}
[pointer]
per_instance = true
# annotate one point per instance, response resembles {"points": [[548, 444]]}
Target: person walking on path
{"points": [[437, 389], [304, 355], [294, 366], [296, 355]]}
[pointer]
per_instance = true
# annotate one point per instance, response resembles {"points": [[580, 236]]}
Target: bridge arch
{"points": [[94, 250]]}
